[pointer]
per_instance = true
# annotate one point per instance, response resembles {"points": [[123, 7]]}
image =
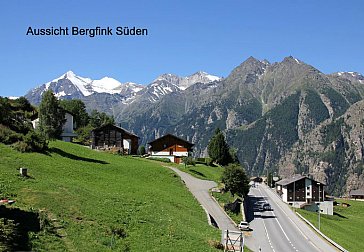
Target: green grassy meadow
{"points": [[346, 225], [94, 201], [204, 172]]}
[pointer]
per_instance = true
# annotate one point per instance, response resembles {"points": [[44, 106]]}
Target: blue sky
{"points": [[183, 37]]}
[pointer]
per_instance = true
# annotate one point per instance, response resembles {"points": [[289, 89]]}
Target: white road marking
{"points": [[266, 232], [297, 227], [276, 218]]}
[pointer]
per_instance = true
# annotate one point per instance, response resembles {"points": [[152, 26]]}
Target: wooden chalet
{"points": [[303, 191], [113, 137], [357, 194], [300, 188], [170, 146]]}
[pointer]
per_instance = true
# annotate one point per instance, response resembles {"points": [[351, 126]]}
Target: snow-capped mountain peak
{"points": [[168, 83], [87, 86], [351, 76], [71, 86], [106, 85]]}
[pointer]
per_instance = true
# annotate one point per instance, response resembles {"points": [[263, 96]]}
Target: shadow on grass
{"points": [[15, 225], [339, 215], [74, 157], [197, 173]]}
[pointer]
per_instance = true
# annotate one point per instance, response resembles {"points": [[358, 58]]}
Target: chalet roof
{"points": [[173, 136], [294, 178], [358, 192], [287, 181], [115, 127]]}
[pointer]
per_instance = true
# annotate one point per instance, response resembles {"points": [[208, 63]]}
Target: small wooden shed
{"points": [[110, 136]]}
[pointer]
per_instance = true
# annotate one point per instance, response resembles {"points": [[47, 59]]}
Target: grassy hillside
{"points": [[346, 225], [93, 201], [204, 172]]}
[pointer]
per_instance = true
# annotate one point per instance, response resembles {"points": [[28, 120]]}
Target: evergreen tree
{"points": [[218, 149], [51, 116], [235, 180], [78, 109], [5, 111], [98, 119], [141, 150]]}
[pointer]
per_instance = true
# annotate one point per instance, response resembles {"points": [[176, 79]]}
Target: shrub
{"points": [[165, 160], [8, 136], [32, 142], [84, 135], [141, 150], [188, 161], [209, 161], [21, 146], [235, 180], [216, 244]]}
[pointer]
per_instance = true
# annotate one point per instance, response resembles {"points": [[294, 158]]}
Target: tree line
{"points": [[16, 118]]}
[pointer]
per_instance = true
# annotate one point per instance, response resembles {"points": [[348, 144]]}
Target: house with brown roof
{"points": [[357, 194], [171, 147], [303, 191]]}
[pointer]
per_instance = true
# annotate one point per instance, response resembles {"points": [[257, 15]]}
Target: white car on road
{"points": [[244, 226]]}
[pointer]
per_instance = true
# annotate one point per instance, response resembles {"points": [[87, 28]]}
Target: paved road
{"points": [[200, 189], [280, 229]]}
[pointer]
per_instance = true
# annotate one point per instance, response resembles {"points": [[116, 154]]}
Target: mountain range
{"points": [[285, 117]]}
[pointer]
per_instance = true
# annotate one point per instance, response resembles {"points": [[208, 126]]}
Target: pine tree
{"points": [[98, 119], [218, 149], [78, 109], [141, 150], [51, 116]]}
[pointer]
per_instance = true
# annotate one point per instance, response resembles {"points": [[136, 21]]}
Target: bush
{"points": [[21, 146], [8, 136], [84, 135], [205, 161], [235, 180], [209, 161], [188, 161], [32, 142], [216, 244], [141, 150], [165, 160]]}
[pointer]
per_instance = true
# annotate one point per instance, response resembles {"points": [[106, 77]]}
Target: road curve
{"points": [[200, 189], [269, 229]]}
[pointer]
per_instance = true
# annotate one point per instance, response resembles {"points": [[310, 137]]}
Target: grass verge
{"points": [[346, 225]]}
